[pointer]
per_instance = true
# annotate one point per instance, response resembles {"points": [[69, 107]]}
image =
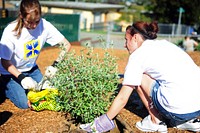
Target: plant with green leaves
{"points": [[197, 48], [87, 83]]}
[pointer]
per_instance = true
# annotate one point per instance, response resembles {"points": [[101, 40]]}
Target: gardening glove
{"points": [[43, 84], [51, 70], [47, 84], [27, 82], [100, 124]]}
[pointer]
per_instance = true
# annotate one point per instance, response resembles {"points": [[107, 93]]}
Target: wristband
{"points": [[21, 77], [54, 63]]}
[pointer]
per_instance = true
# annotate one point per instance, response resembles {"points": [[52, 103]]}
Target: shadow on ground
{"points": [[134, 104], [4, 116]]}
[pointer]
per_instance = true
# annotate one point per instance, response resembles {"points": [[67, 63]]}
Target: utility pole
{"points": [[4, 12], [180, 10], [3, 4]]}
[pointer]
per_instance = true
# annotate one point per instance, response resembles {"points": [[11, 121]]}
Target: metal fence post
{"points": [[108, 35], [173, 29]]}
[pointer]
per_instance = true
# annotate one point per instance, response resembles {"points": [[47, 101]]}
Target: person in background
{"points": [[167, 83], [21, 43], [189, 44]]}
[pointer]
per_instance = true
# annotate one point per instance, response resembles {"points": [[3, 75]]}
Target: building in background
{"points": [[91, 14]]}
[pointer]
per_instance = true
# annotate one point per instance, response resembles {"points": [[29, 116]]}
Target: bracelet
{"points": [[21, 77], [55, 63]]}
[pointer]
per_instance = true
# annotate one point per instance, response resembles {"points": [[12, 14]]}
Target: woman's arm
{"points": [[196, 43], [120, 101], [10, 67], [66, 45]]}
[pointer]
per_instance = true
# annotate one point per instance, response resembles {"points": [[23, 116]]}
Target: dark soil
{"points": [[15, 120]]}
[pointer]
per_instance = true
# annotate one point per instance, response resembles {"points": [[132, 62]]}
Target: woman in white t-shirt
{"points": [[164, 76], [189, 44], [21, 44]]}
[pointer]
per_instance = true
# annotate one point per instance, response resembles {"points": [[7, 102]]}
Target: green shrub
{"points": [[198, 47], [86, 83], [179, 43]]}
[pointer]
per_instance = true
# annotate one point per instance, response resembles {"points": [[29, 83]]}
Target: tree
{"points": [[166, 11]]}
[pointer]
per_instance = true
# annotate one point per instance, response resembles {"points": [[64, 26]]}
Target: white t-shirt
{"points": [[189, 45], [24, 51], [176, 72]]}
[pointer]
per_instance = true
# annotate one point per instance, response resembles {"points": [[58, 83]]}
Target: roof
{"points": [[94, 7], [7, 5]]}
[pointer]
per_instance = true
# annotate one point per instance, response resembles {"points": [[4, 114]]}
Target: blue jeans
{"points": [[174, 119], [15, 92]]}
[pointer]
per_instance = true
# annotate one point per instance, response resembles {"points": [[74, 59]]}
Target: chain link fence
{"points": [[113, 33], [164, 29]]}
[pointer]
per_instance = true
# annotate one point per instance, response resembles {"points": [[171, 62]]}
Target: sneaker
{"points": [[146, 125], [192, 125]]}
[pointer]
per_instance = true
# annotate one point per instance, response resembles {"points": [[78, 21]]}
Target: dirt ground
{"points": [[15, 120]]}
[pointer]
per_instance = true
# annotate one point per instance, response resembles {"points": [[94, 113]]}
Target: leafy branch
{"points": [[86, 83]]}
